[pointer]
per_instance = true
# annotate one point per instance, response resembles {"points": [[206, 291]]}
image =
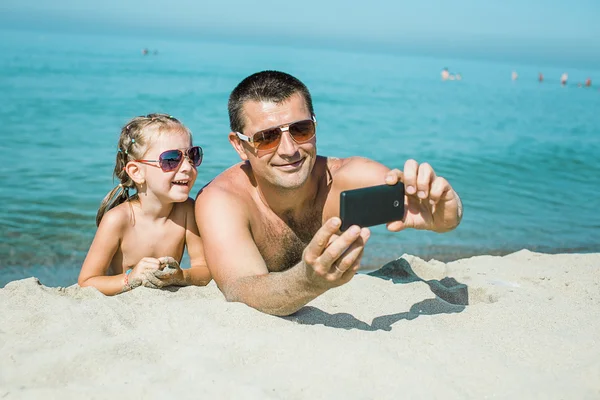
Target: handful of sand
{"points": [[168, 267]]}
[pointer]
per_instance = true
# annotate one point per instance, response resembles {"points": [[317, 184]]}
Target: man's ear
{"points": [[238, 146], [135, 172]]}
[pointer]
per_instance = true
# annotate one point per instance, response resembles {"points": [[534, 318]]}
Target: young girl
{"points": [[141, 237]]}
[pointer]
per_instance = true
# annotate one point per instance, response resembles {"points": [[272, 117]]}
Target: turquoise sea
{"points": [[524, 156]]}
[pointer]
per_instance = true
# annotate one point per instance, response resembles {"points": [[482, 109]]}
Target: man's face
{"points": [[288, 166]]}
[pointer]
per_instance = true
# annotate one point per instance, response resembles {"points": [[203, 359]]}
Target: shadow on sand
{"points": [[451, 297]]}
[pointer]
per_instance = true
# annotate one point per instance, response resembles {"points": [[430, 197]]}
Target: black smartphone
{"points": [[372, 205]]}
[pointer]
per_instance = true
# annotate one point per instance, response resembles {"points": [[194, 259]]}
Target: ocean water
{"points": [[523, 156]]}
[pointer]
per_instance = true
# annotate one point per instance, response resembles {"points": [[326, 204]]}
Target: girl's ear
{"points": [[135, 172], [238, 145]]}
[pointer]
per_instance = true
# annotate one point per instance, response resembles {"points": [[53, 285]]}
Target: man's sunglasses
{"points": [[170, 160], [268, 139]]}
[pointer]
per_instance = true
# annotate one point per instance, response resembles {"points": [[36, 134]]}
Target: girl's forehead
{"points": [[171, 140]]}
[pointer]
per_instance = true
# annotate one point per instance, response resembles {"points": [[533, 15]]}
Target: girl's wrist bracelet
{"points": [[126, 281]]}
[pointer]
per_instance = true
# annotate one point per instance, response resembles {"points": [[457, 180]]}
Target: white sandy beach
{"points": [[524, 326]]}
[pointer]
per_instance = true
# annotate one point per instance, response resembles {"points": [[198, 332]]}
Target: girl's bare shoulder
{"points": [[119, 217]]}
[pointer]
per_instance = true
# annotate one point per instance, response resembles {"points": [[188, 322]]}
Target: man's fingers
{"points": [[425, 177], [348, 259], [340, 259], [321, 240], [394, 176], [350, 272], [338, 247], [333, 238], [417, 179], [396, 226], [439, 190], [410, 176]]}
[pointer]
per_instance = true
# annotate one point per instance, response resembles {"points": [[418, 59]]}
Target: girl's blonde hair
{"points": [[135, 140]]}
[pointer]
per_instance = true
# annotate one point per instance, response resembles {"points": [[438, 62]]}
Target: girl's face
{"points": [[173, 186]]}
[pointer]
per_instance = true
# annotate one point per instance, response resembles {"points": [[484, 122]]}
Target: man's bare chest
{"points": [[281, 242]]}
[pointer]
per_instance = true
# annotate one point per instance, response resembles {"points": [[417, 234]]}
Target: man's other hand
{"points": [[430, 201]]}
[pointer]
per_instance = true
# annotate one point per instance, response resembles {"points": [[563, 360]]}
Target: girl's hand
{"points": [[169, 272], [143, 274]]}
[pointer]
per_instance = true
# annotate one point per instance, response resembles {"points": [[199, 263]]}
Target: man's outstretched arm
{"points": [[242, 275]]}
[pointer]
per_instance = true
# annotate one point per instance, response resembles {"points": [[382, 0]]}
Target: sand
{"points": [[526, 325]]}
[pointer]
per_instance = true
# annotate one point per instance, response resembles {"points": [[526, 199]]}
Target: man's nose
{"points": [[287, 146]]}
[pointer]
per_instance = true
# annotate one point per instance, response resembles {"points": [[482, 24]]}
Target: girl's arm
{"points": [[199, 273], [99, 257]]}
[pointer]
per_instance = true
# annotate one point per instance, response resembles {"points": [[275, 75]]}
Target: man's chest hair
{"points": [[284, 240]]}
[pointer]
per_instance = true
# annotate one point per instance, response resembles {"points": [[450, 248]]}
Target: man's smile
{"points": [[290, 165]]}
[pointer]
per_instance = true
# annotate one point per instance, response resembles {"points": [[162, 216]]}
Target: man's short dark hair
{"points": [[268, 86]]}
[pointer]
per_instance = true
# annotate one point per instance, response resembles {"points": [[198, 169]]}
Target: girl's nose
{"points": [[186, 164]]}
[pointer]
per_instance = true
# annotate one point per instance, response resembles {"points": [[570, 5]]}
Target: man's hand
{"points": [[430, 201], [331, 260]]}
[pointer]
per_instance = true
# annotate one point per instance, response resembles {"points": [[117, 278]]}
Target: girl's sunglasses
{"points": [[170, 160], [268, 139]]}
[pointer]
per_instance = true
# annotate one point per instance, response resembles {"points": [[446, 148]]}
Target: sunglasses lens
{"points": [[170, 160], [195, 155], [268, 139], [302, 131]]}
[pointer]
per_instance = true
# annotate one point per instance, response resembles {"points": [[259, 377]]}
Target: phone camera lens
{"points": [[396, 203]]}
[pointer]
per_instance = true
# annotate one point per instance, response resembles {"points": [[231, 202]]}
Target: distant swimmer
{"points": [[144, 52], [458, 77], [564, 78], [588, 82], [541, 77], [445, 74], [515, 76]]}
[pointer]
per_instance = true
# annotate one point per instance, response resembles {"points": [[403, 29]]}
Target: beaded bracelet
{"points": [[126, 280]]}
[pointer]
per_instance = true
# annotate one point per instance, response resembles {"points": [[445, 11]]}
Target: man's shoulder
{"points": [[233, 180], [349, 165], [356, 171], [229, 187], [224, 203]]}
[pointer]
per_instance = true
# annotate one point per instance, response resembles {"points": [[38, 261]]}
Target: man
{"points": [[269, 224]]}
